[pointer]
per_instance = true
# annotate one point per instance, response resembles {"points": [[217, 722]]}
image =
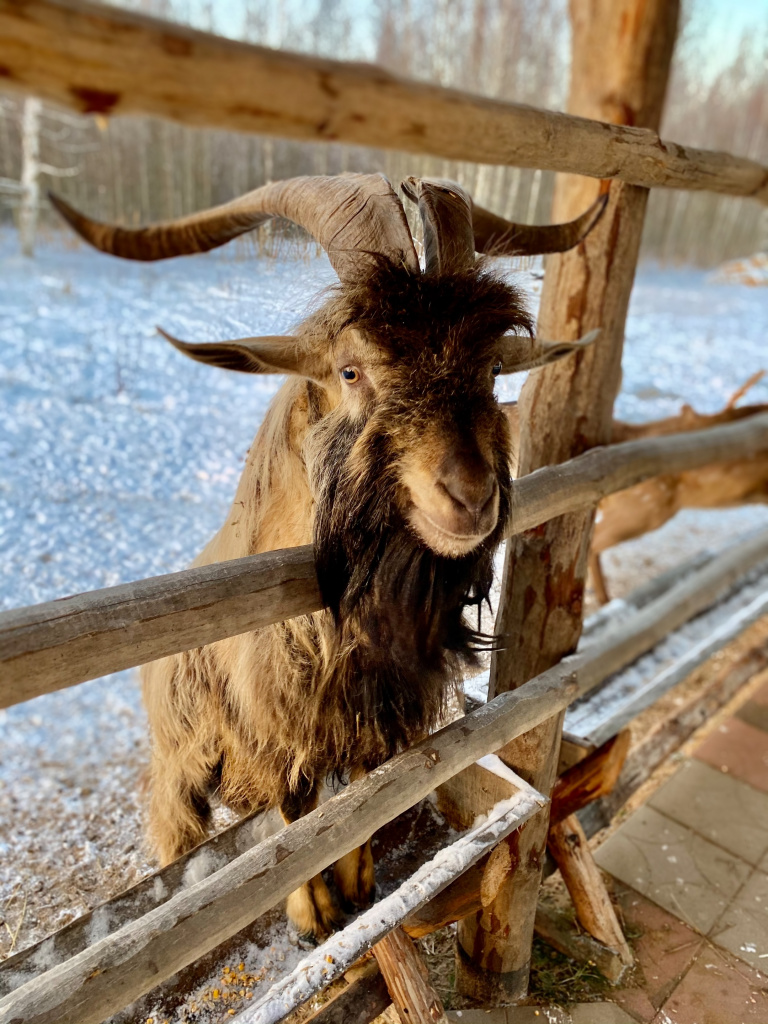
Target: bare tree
{"points": [[30, 174]]}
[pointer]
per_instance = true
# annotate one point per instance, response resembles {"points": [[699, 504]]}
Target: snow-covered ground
{"points": [[118, 459]]}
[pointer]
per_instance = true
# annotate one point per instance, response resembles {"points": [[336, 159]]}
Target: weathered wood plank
{"points": [[557, 929], [361, 1002], [49, 646], [570, 849], [85, 55], [127, 906]]}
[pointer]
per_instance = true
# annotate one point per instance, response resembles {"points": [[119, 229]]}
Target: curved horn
{"points": [[499, 237], [446, 214], [348, 214]]}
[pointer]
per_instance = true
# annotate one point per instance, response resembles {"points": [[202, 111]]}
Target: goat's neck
{"points": [[273, 504]]}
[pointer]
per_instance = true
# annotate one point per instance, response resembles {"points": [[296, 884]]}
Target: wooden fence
{"points": [[85, 56]]}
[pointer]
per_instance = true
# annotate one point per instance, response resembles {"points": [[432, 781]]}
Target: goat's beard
{"points": [[402, 641]]}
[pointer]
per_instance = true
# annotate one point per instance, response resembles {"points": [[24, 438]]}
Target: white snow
{"points": [[201, 865]]}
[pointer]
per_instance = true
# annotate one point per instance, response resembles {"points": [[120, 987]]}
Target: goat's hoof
{"points": [[333, 919], [367, 898], [308, 940], [360, 901], [348, 906]]}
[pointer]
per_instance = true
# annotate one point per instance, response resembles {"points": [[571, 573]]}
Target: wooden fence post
{"points": [[621, 56]]}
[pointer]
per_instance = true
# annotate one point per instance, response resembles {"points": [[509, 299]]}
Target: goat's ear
{"points": [[270, 354], [519, 353]]}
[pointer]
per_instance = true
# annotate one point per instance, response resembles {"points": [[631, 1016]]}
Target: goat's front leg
{"points": [[311, 908], [355, 878], [179, 809], [354, 873]]}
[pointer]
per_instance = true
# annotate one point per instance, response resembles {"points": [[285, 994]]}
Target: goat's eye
{"points": [[350, 374], [496, 369]]}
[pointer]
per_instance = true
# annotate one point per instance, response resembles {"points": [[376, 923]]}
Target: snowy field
{"points": [[119, 457]]}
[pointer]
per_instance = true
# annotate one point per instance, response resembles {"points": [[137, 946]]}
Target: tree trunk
{"points": [[30, 174], [621, 56]]}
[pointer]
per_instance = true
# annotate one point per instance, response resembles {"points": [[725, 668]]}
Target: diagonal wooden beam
{"points": [[97, 59], [590, 779]]}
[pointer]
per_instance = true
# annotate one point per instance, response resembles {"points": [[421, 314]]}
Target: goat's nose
{"points": [[469, 482]]}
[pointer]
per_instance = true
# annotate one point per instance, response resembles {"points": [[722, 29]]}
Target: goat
{"points": [[387, 450]]}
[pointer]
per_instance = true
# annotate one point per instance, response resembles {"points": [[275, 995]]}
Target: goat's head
{"points": [[405, 360]]}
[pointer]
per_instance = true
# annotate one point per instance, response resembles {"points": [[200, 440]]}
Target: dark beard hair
{"points": [[402, 641]]}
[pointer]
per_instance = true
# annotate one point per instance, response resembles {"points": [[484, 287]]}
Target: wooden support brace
{"points": [[589, 779], [407, 979], [570, 849], [557, 930], [363, 999]]}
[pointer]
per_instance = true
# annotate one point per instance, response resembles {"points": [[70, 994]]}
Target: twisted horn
{"points": [[499, 237], [349, 214], [446, 215]]}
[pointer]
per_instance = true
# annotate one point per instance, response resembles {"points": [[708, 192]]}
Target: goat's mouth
{"points": [[446, 541]]}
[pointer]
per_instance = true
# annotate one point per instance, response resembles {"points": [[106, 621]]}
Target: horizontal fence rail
{"points": [[655, 688], [85, 56], [122, 966], [50, 646]]}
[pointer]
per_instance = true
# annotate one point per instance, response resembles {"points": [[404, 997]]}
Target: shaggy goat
{"points": [[387, 450]]}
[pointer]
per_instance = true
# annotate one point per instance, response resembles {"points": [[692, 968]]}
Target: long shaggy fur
{"points": [[262, 718]]}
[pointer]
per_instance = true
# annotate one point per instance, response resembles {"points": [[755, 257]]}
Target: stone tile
{"points": [[743, 928], [664, 949], [583, 1013], [597, 1013], [717, 990], [738, 749], [754, 713], [719, 807], [673, 866]]}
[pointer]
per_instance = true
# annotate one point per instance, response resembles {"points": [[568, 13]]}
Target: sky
{"points": [[722, 24]]}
